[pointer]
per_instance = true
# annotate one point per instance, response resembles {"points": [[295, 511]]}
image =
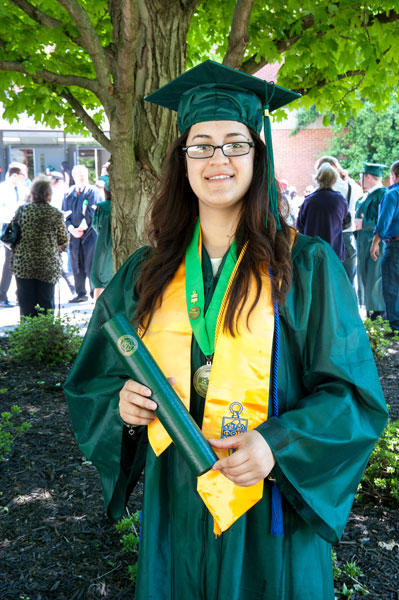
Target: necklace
{"points": [[206, 326]]}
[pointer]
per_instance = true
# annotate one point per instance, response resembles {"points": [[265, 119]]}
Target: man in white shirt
{"points": [[13, 193], [79, 203]]}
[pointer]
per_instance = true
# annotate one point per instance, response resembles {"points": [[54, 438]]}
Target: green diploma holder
{"points": [[171, 411]]}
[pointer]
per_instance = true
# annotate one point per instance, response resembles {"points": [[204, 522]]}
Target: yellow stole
{"points": [[237, 397]]}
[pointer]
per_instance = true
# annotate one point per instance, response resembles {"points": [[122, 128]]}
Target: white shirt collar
{"points": [[377, 186]]}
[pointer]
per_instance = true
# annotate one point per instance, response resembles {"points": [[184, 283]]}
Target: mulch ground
{"points": [[57, 544]]}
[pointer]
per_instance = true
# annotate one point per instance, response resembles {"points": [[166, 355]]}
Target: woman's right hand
{"points": [[135, 406]]}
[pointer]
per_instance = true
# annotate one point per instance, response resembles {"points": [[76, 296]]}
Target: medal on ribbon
{"points": [[206, 325]]}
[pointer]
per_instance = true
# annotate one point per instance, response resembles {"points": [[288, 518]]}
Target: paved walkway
{"points": [[79, 313]]}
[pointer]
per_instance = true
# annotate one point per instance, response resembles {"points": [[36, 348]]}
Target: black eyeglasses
{"points": [[208, 150]]}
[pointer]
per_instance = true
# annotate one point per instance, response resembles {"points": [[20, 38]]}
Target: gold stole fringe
{"points": [[238, 388]]}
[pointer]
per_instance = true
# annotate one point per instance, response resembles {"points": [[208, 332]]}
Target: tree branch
{"points": [[63, 80], [37, 15], [43, 19], [239, 34], [251, 66], [86, 119], [89, 40], [324, 82], [391, 17], [125, 21]]}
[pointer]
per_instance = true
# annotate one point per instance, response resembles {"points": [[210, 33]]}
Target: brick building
{"points": [[295, 156]]}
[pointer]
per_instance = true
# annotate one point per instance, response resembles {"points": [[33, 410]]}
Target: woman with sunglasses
{"points": [[259, 333]]}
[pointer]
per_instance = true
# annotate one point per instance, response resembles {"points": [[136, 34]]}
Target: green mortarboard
{"points": [[373, 169], [105, 179], [214, 92]]}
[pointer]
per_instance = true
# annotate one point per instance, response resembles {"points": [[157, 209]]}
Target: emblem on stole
{"points": [[234, 425]]}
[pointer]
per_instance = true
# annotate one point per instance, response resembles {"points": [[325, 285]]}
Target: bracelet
{"points": [[131, 428]]}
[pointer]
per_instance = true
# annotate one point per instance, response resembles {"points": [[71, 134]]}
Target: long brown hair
{"points": [[173, 215]]}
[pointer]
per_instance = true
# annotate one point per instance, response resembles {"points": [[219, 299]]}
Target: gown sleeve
{"points": [[92, 391], [332, 409]]}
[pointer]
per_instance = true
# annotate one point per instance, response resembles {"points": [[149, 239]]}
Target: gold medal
{"points": [[194, 312], [201, 379]]}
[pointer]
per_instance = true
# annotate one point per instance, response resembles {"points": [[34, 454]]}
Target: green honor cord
{"points": [[204, 325]]}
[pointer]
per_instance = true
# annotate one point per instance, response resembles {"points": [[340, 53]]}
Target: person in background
{"points": [[323, 212], [352, 192], [286, 202], [369, 276], [59, 189], [69, 180], [102, 268], [100, 185], [260, 523], [13, 194], [79, 203], [387, 229], [309, 189], [35, 260]]}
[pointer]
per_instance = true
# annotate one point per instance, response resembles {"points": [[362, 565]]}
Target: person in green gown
{"points": [[102, 269], [369, 277], [259, 331]]}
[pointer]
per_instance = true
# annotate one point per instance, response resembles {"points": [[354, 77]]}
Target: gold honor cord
{"points": [[226, 294]]}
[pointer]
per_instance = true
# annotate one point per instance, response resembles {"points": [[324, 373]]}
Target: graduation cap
{"points": [[213, 92], [373, 169]]}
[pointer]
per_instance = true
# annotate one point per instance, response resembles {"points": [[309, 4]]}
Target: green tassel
{"points": [[273, 188], [273, 205]]}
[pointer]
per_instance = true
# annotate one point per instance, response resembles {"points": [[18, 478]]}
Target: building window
{"points": [[25, 156], [90, 157]]}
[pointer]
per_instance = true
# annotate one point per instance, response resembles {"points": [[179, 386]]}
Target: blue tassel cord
{"points": [[277, 528]]}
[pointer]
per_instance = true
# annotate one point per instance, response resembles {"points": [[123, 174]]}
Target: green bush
{"points": [[346, 579], [9, 431], [380, 336], [129, 527], [381, 477], [47, 338]]}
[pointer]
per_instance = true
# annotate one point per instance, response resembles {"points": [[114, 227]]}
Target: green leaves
{"points": [[46, 338], [337, 54], [9, 430], [381, 477], [129, 527], [371, 136]]}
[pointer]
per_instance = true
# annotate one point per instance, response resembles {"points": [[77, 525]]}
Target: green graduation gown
{"points": [[369, 271], [102, 268], [331, 412]]}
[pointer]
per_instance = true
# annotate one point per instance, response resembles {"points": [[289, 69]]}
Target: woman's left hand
{"points": [[251, 462]]}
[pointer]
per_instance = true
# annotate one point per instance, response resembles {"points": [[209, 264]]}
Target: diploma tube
{"points": [[174, 416]]}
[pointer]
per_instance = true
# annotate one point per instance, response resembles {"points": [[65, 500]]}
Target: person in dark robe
{"points": [[79, 205], [102, 268], [323, 212], [369, 277], [258, 330]]}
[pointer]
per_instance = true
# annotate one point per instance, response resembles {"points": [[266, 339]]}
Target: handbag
{"points": [[11, 232]]}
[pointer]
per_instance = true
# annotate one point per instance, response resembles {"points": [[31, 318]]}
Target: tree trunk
{"points": [[141, 132]]}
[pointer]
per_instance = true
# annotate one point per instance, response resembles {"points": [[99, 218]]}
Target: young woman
{"points": [[202, 296]]}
